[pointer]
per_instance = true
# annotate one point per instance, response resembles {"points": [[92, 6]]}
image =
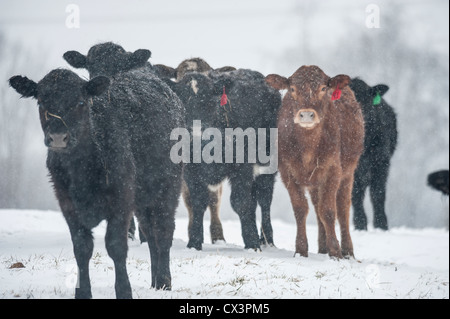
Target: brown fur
{"points": [[319, 159]]}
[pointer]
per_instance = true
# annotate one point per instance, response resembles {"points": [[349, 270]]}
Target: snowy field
{"points": [[399, 264]]}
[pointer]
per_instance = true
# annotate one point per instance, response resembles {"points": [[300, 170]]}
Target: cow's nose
{"points": [[307, 116], [58, 140]]}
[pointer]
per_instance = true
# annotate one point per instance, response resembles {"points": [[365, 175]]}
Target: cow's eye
{"points": [[292, 89], [81, 103], [324, 89]]}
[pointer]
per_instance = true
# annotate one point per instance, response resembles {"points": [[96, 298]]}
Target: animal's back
{"points": [[351, 125], [135, 117], [381, 133]]}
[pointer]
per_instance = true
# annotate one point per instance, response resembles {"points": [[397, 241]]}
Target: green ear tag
{"points": [[377, 99]]}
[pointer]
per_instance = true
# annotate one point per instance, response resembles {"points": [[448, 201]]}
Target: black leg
{"points": [[358, 193], [378, 194], [264, 194], [117, 247], [243, 201], [156, 216], [199, 196], [160, 237], [83, 246]]}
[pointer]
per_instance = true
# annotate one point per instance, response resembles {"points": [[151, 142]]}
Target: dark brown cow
{"points": [[321, 137]]}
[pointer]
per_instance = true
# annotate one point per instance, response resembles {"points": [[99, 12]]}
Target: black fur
{"points": [[111, 60], [439, 181], [252, 104], [108, 59], [379, 145], [116, 161]]}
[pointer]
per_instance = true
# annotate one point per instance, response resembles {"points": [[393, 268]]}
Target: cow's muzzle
{"points": [[307, 118], [57, 141]]}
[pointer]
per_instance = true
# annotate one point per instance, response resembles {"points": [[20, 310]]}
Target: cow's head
{"points": [[192, 65], [188, 66], [201, 94], [366, 94], [107, 59], [63, 99], [310, 90]]}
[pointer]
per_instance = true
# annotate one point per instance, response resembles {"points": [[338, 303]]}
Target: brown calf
{"points": [[321, 137]]}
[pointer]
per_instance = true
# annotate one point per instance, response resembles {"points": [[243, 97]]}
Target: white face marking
{"points": [[194, 86], [191, 66]]}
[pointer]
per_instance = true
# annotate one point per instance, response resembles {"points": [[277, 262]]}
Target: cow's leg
{"points": [[327, 211], [300, 207], [264, 194], [244, 204], [378, 194], [83, 246], [322, 235], [159, 233], [187, 202], [82, 240], [148, 231], [358, 193], [199, 196], [344, 199], [117, 247], [157, 202], [215, 228]]}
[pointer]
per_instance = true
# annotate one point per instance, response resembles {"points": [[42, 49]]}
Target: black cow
{"points": [[250, 104], [439, 181], [108, 155], [111, 60], [215, 195], [379, 145]]}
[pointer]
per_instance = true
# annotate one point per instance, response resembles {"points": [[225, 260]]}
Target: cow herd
{"points": [[135, 136]]}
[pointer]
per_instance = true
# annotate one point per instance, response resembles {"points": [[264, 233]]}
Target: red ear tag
{"points": [[224, 98], [336, 94]]}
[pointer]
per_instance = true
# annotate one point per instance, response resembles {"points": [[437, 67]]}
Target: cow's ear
{"points": [[75, 59], [278, 82], [339, 81], [380, 89], [97, 86], [24, 86], [165, 72], [138, 58]]}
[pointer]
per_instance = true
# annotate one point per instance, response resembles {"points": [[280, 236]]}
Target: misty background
{"points": [[409, 52]]}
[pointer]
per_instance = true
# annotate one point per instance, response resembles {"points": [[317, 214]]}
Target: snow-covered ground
{"points": [[400, 263]]}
